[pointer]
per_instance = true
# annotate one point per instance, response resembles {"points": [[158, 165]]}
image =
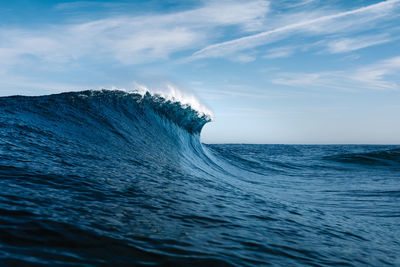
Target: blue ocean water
{"points": [[106, 177]]}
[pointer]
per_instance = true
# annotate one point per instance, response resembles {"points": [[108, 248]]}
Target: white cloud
{"points": [[130, 39], [304, 79], [280, 52], [300, 3], [351, 44], [342, 22], [379, 76], [244, 58]]}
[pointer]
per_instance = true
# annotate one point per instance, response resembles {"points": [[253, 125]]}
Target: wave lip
{"points": [[181, 114]]}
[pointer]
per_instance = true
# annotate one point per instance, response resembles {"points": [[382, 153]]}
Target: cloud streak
{"points": [[352, 44], [280, 52], [130, 39], [377, 76], [314, 26]]}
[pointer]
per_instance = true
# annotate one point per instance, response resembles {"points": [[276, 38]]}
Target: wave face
{"points": [[108, 177]]}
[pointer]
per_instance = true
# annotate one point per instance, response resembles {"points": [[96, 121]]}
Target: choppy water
{"points": [[99, 178]]}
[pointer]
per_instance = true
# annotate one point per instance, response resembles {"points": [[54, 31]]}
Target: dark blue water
{"points": [[106, 177]]}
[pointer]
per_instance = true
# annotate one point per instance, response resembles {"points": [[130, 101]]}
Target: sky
{"points": [[286, 72]]}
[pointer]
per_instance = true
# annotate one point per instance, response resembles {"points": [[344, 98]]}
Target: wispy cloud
{"points": [[378, 76], [340, 22], [352, 44], [280, 52], [300, 3], [130, 39]]}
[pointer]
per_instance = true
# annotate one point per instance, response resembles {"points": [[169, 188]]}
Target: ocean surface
{"points": [[109, 177]]}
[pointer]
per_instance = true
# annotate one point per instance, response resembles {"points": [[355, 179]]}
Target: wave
{"points": [[386, 157], [141, 128], [99, 149], [102, 177]]}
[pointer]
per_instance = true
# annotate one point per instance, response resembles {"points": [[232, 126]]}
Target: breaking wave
{"points": [[113, 177]]}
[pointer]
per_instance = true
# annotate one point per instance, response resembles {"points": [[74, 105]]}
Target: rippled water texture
{"points": [[101, 177]]}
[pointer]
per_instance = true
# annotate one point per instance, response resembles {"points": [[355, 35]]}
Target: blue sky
{"points": [[306, 71]]}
